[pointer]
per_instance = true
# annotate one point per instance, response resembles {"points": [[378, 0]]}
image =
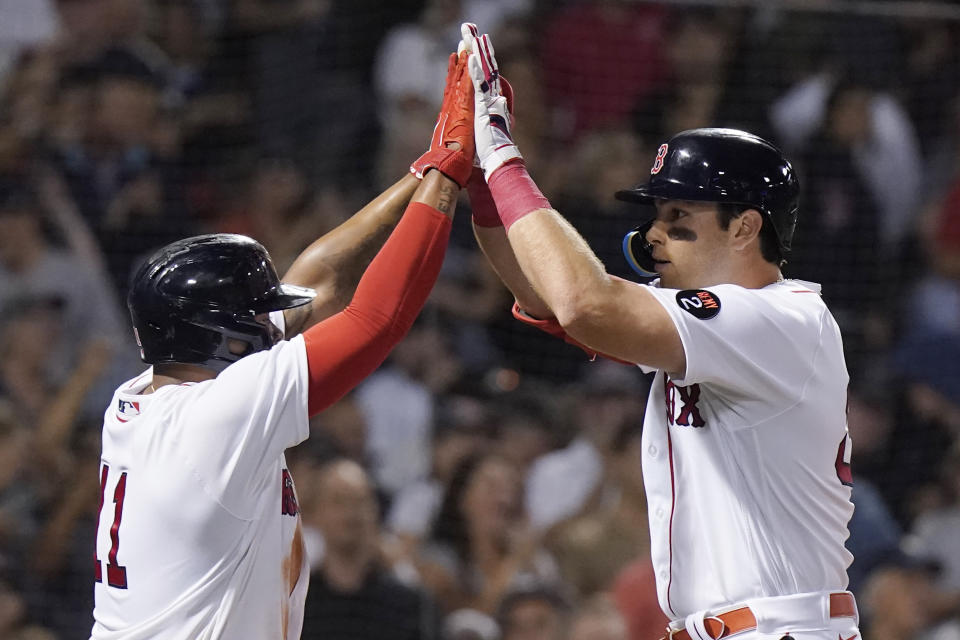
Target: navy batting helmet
{"points": [[193, 295], [717, 165]]}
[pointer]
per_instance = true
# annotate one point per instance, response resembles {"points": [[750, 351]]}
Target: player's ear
{"points": [[745, 228]]}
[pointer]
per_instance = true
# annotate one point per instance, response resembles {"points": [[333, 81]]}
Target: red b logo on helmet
{"points": [[658, 163]]}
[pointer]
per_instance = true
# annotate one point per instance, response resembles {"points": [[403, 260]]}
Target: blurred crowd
{"points": [[485, 483]]}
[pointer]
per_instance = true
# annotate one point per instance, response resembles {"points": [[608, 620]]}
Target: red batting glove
{"points": [[454, 124]]}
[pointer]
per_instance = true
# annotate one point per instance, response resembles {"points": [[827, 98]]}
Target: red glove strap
{"points": [[481, 201], [451, 163], [553, 327], [515, 193]]}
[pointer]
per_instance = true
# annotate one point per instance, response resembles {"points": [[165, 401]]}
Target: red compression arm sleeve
{"points": [[346, 347]]}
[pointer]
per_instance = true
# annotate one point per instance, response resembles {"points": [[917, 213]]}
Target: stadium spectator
{"points": [[839, 203], [533, 611], [936, 531], [480, 544], [873, 531], [353, 594], [284, 45], [900, 601], [466, 299], [526, 426], [563, 483], [407, 74], [930, 64], [935, 534], [26, 26], [461, 431], [701, 46], [13, 625], [598, 619], [398, 402], [278, 208], [585, 45], [56, 581], [635, 593], [340, 432], [469, 624], [31, 267], [609, 534], [599, 161], [879, 138]]}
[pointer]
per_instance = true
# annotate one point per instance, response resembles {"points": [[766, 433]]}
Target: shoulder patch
{"points": [[699, 303]]}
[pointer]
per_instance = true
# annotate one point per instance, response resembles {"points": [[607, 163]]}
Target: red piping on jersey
{"points": [[801, 291], [673, 505], [135, 381]]}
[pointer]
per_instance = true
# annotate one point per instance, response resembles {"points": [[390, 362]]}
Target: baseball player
{"points": [[199, 531], [746, 453]]}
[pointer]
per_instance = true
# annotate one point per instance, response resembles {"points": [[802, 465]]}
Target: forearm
{"points": [[334, 263], [558, 264], [492, 239], [346, 348], [64, 213], [496, 247], [608, 315], [58, 420], [604, 314]]}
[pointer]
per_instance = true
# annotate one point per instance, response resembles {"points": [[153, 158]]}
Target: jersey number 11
{"points": [[116, 575]]}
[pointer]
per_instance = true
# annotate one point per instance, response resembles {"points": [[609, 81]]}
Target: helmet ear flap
{"points": [[636, 250]]}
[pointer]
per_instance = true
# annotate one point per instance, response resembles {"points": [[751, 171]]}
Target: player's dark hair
{"points": [[769, 246]]}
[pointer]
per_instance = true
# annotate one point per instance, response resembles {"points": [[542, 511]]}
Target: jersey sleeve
{"points": [[235, 427], [751, 343]]}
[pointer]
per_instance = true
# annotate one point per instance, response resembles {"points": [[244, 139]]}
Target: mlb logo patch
{"points": [[127, 409]]}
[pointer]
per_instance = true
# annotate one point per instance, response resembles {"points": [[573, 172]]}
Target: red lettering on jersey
{"points": [[689, 415], [98, 573], [116, 574], [289, 506]]}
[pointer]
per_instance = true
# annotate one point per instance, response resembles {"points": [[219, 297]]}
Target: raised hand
{"points": [[492, 103], [452, 146]]}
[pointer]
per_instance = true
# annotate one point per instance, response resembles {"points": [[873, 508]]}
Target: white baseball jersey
{"points": [[199, 535], [746, 458]]}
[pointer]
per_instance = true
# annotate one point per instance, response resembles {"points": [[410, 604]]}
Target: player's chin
{"points": [[666, 272]]}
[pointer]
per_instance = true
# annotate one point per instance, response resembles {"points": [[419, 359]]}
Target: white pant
{"points": [[804, 616]]}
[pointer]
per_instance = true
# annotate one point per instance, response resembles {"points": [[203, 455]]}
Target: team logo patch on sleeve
{"points": [[699, 303]]}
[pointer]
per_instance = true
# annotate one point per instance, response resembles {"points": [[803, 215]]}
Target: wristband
{"points": [[515, 193], [481, 201]]}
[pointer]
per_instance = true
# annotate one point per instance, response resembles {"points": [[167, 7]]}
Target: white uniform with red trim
{"points": [[199, 534], [746, 458]]}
